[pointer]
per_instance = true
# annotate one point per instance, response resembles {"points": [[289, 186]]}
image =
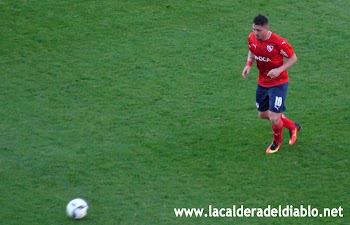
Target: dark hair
{"points": [[261, 20]]}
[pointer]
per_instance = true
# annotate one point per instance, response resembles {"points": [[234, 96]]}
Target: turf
{"points": [[139, 107]]}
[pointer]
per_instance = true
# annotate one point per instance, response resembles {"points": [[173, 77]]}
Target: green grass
{"points": [[139, 107]]}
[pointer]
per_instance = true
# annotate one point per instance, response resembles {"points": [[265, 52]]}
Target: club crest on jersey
{"points": [[269, 48]]}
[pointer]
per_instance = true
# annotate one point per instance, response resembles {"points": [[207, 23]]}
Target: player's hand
{"points": [[274, 73], [246, 71]]}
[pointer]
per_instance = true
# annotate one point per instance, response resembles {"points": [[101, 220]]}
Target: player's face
{"points": [[260, 32]]}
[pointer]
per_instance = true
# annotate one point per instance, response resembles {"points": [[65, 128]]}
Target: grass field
{"points": [[139, 107]]}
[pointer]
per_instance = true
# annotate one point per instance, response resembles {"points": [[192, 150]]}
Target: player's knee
{"points": [[263, 115], [275, 120]]}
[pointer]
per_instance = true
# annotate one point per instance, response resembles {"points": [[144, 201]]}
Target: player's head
{"points": [[261, 27]]}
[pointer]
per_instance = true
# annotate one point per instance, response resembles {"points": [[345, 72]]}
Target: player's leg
{"points": [[293, 128], [262, 103], [287, 123], [277, 97], [264, 115], [277, 128]]}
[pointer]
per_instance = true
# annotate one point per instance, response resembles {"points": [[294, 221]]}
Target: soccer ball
{"points": [[77, 208]]}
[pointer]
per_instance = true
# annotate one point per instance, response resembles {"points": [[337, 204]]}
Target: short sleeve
{"points": [[286, 49]]}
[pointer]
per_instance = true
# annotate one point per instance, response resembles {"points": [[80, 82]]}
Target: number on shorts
{"points": [[278, 102]]}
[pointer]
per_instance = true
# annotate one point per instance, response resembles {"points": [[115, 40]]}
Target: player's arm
{"points": [[288, 63], [250, 61]]}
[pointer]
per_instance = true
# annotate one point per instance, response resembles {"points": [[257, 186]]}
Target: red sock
{"points": [[277, 132], [287, 123]]}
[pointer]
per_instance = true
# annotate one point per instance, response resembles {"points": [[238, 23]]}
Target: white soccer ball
{"points": [[77, 208]]}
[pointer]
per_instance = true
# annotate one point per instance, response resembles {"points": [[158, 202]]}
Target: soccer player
{"points": [[270, 51]]}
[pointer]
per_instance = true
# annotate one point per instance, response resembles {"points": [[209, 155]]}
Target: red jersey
{"points": [[269, 54]]}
